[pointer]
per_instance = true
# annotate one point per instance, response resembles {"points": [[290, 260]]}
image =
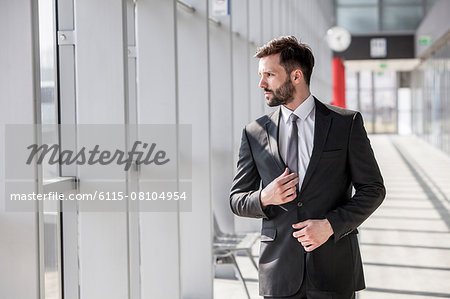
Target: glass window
{"points": [[47, 61], [402, 1], [365, 79], [49, 103], [351, 90], [395, 18], [350, 79], [51, 236], [367, 109], [358, 19], [385, 80], [385, 110], [52, 245], [351, 99]]}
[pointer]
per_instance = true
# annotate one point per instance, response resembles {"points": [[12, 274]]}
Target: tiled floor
{"points": [[405, 244]]}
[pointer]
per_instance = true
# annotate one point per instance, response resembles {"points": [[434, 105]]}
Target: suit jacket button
{"points": [[299, 204]]}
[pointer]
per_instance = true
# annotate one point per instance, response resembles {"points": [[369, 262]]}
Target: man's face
{"points": [[277, 85]]}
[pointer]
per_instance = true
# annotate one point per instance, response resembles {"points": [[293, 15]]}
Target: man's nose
{"points": [[262, 83]]}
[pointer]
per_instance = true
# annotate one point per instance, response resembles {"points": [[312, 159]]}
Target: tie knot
{"points": [[293, 117]]}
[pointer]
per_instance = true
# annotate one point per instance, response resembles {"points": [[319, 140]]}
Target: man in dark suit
{"points": [[296, 170]]}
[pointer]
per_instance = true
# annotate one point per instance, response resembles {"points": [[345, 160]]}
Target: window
{"points": [[48, 73], [358, 19], [381, 15], [397, 18], [50, 220]]}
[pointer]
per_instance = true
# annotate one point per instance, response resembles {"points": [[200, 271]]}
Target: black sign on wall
{"points": [[397, 47]]}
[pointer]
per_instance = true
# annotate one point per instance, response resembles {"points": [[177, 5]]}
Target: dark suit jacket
{"points": [[341, 157]]}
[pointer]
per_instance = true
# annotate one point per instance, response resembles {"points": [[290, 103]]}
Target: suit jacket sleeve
{"points": [[245, 190], [366, 179]]}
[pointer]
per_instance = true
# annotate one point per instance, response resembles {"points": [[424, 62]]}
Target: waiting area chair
{"points": [[226, 246]]}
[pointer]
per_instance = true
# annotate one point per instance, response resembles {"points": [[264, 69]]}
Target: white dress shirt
{"points": [[305, 125]]}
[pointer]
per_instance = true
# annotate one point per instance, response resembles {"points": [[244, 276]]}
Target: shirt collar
{"points": [[302, 111]]}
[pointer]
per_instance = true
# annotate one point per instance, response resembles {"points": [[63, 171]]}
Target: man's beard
{"points": [[282, 95]]}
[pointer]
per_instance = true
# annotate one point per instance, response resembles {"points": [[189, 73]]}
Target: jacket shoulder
{"points": [[259, 124], [341, 111]]}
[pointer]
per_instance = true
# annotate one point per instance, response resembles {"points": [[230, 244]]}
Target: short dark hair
{"points": [[293, 54]]}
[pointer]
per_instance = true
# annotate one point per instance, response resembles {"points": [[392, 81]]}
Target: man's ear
{"points": [[297, 76]]}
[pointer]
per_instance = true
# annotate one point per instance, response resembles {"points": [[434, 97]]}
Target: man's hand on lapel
{"points": [[281, 190], [313, 233]]}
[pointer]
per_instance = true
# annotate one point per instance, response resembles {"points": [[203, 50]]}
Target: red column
{"points": [[338, 83]]}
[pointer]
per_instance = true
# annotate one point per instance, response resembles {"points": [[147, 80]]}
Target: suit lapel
{"points": [[322, 125], [272, 128]]}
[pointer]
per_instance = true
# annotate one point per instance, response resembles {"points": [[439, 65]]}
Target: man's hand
{"points": [[281, 190], [312, 233]]}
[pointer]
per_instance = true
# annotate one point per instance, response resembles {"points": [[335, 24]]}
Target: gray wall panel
{"points": [[19, 259], [435, 25], [100, 100], [194, 107], [160, 268], [222, 167]]}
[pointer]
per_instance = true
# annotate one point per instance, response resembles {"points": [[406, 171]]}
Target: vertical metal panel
{"points": [[257, 102], [256, 95], [194, 107], [254, 21], [67, 110], [240, 71], [100, 98], [314, 24], [266, 20], [267, 28], [100, 73], [70, 254], [222, 167], [155, 41], [276, 18], [156, 63], [134, 277], [242, 88], [19, 85], [283, 17]]}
